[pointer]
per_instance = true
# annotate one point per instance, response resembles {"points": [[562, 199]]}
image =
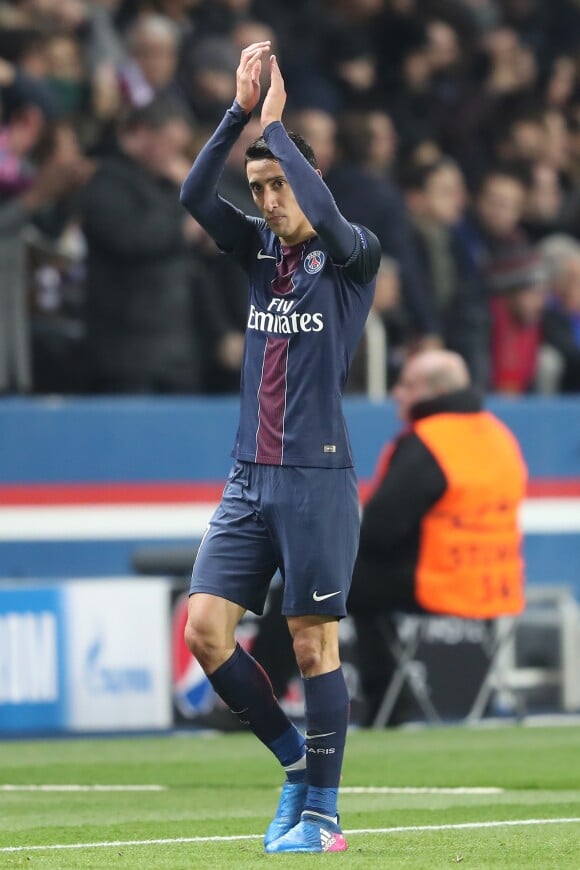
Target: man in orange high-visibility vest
{"points": [[440, 530]]}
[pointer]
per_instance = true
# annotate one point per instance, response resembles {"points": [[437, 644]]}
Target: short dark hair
{"points": [[259, 150]]}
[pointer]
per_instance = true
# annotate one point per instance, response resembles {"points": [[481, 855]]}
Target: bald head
{"points": [[427, 375], [442, 370]]}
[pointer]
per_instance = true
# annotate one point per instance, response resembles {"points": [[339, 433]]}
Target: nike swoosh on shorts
{"points": [[317, 597]]}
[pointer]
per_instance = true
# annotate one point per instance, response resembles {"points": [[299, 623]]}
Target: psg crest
{"points": [[314, 262]]}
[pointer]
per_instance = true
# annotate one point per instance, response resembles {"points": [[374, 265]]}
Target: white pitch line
{"points": [[462, 790], [361, 789], [508, 823], [7, 787]]}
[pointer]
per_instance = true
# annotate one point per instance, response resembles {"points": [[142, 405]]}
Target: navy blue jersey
{"points": [[307, 307]]}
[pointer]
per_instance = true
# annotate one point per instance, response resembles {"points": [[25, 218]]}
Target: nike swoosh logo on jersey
{"points": [[317, 597], [262, 256], [315, 736]]}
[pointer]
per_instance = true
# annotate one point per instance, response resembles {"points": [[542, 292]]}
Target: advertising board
{"points": [[85, 655]]}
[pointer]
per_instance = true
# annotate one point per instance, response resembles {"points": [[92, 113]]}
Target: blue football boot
{"points": [[288, 813], [313, 833]]}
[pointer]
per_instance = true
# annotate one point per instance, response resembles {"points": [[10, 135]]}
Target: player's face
{"points": [[275, 199]]}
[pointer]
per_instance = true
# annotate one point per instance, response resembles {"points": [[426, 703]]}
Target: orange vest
{"points": [[470, 561]]}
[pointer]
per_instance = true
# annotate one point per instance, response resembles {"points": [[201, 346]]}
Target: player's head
{"points": [[427, 375], [272, 192]]}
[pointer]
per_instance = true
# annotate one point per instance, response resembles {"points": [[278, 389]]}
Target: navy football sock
{"points": [[245, 687], [327, 709]]}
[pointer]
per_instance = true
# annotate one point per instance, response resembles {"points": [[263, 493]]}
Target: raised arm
{"points": [[312, 194], [225, 223]]}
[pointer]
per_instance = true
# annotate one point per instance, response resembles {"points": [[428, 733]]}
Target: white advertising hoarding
{"points": [[118, 652]]}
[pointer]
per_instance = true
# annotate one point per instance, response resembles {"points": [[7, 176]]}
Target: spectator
{"points": [[571, 205], [561, 82], [531, 19], [500, 205], [381, 351], [511, 66], [561, 320], [459, 103], [399, 31], [518, 282], [206, 75], [141, 335], [56, 310], [440, 531], [544, 202], [25, 189], [574, 146], [319, 128], [223, 301], [437, 198], [66, 74], [363, 189], [347, 51], [557, 147], [150, 71], [492, 226], [521, 136], [408, 100]]}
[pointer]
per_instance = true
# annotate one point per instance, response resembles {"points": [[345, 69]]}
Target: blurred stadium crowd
{"points": [[449, 127]]}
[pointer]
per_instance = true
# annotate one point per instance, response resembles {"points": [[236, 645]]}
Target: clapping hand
{"points": [[275, 99], [248, 75]]}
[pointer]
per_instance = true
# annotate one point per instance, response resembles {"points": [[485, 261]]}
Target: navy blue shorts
{"points": [[304, 521]]}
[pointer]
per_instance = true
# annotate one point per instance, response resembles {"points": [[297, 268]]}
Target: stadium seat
{"points": [[403, 637], [531, 658]]}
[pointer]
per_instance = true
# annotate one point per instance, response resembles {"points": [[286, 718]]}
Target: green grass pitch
{"points": [[225, 787]]}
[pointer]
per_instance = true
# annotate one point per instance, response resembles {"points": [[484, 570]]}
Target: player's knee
{"points": [[205, 640], [308, 653], [198, 639], [191, 637], [210, 630], [315, 646]]}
